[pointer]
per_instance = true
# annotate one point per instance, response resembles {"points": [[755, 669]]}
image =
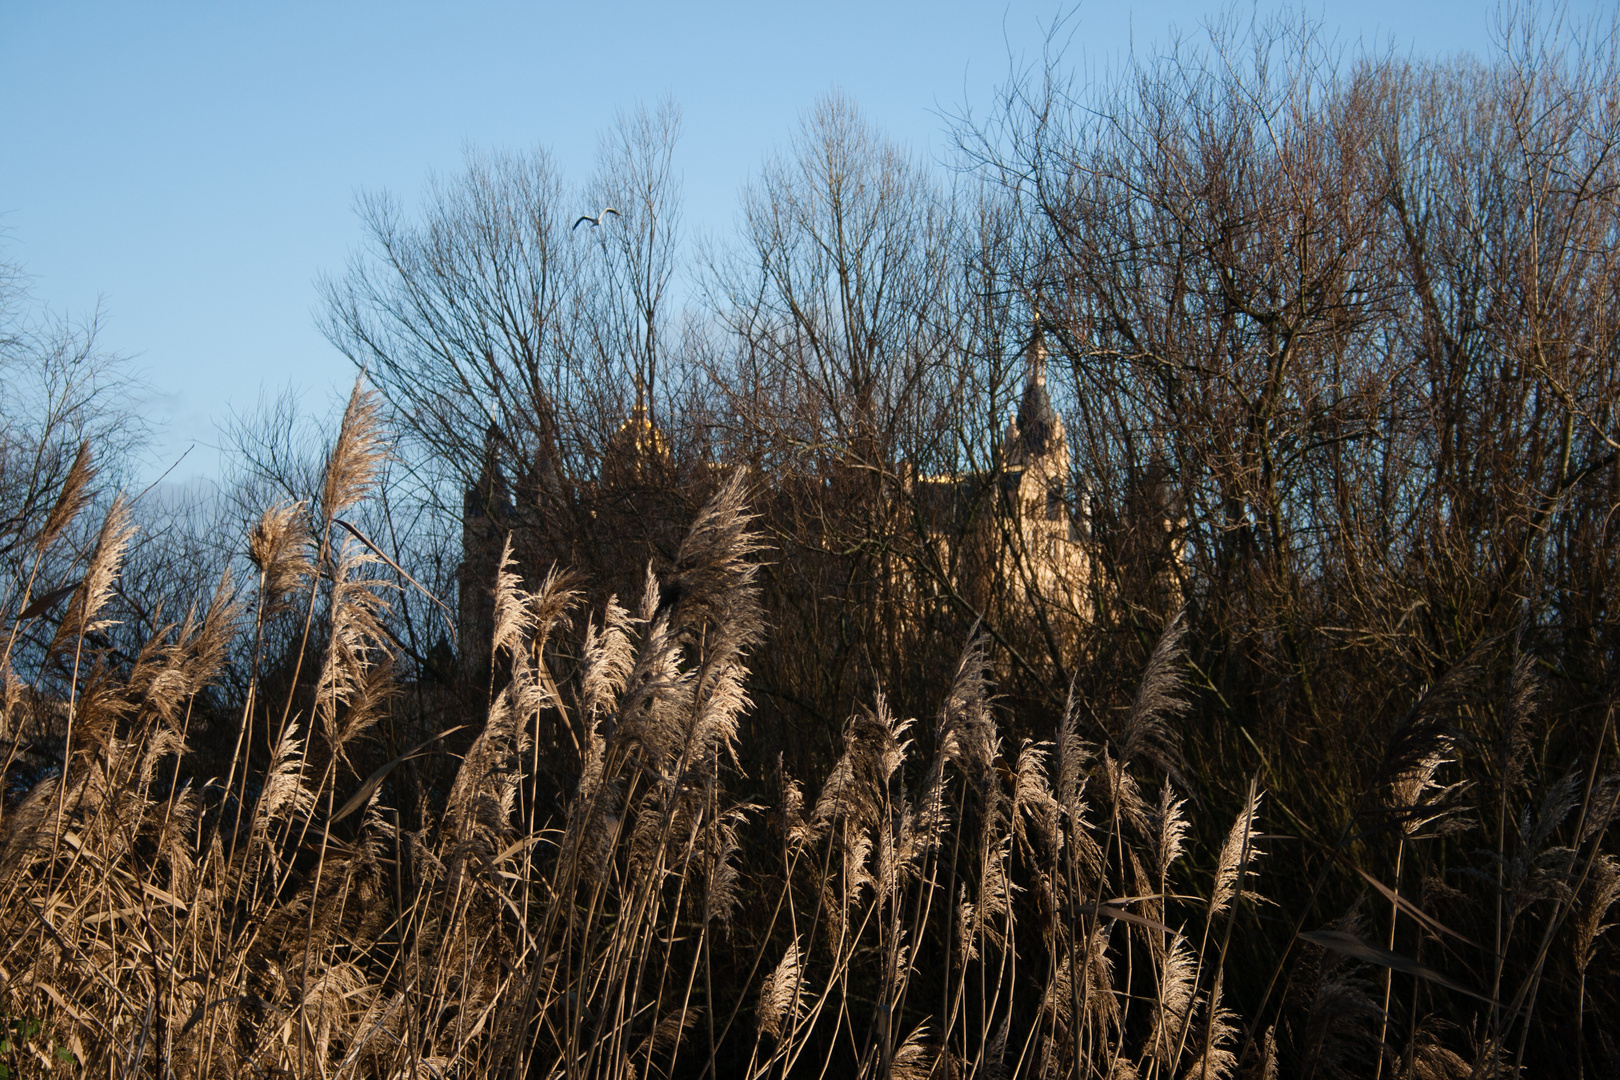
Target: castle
{"points": [[1012, 536], [1016, 539]]}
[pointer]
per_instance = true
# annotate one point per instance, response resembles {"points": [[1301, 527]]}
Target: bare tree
{"points": [[67, 436], [62, 391], [873, 347], [470, 314], [1349, 325], [513, 344], [630, 285]]}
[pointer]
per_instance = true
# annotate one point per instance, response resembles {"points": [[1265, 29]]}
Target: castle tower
{"points": [[486, 518], [1051, 565], [1035, 450]]}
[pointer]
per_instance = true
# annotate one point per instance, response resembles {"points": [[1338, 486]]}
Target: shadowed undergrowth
{"points": [[595, 886]]}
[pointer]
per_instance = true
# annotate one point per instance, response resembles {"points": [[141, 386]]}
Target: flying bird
{"points": [[597, 220]]}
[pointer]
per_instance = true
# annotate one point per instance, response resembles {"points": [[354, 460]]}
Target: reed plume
{"points": [[782, 993], [85, 608], [1146, 730], [357, 458], [278, 547], [592, 874]]}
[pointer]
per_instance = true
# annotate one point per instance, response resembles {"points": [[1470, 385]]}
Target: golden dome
{"points": [[637, 442]]}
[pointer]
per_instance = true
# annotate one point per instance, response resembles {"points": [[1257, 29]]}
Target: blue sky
{"points": [[192, 167]]}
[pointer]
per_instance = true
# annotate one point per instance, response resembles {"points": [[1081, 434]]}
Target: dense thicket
{"points": [[1334, 341]]}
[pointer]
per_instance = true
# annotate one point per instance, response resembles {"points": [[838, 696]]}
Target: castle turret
{"points": [[1044, 560], [1035, 451], [486, 518]]}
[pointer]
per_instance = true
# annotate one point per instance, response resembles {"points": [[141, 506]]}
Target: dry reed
{"points": [[937, 910]]}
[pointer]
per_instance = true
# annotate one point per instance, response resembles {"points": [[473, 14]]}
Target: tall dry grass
{"points": [[938, 904]]}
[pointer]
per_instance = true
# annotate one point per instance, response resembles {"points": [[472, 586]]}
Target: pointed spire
{"points": [[488, 495], [491, 464], [1035, 353], [1037, 424]]}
